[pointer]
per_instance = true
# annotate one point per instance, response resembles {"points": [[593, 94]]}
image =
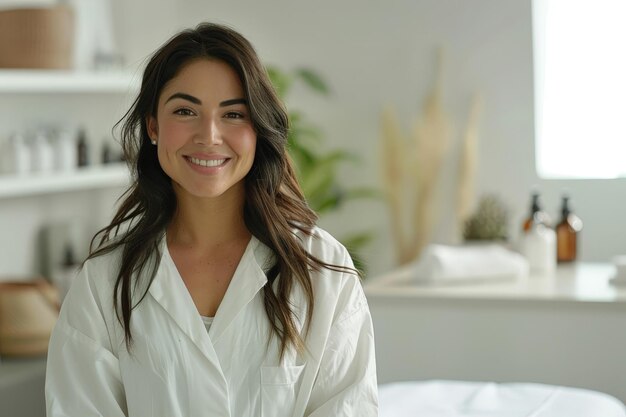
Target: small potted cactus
{"points": [[489, 222]]}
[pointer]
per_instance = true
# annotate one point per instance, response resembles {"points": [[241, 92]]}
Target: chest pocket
{"points": [[279, 386]]}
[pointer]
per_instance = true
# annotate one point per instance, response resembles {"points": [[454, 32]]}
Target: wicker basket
{"points": [[28, 313], [37, 37]]}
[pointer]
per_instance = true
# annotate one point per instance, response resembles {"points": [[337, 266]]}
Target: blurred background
{"points": [[460, 74], [370, 56]]}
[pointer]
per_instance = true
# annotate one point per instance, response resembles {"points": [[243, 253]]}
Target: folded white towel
{"points": [[459, 264], [620, 270]]}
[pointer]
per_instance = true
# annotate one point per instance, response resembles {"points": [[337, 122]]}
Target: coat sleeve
{"points": [[346, 385], [82, 376]]}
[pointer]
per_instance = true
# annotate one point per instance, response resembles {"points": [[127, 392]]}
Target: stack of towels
{"points": [[444, 264], [620, 270]]}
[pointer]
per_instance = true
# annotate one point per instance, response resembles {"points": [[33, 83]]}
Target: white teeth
{"points": [[207, 163]]}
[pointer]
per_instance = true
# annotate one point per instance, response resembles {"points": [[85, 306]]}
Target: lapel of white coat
{"points": [[248, 280], [169, 290]]}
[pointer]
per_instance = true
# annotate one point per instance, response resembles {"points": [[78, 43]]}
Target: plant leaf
{"points": [[313, 80], [332, 199], [318, 182], [280, 80], [353, 244], [357, 240], [364, 192]]}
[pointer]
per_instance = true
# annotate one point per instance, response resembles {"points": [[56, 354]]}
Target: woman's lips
{"points": [[214, 162], [207, 165]]}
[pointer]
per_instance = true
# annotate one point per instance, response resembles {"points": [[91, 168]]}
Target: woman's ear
{"points": [[153, 127]]}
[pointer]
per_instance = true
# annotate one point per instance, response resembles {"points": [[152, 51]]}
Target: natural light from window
{"points": [[580, 88]]}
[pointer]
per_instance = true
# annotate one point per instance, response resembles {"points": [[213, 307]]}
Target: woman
{"points": [[212, 292]]}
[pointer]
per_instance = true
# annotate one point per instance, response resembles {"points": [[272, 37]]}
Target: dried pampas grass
{"points": [[394, 176], [412, 166], [467, 165], [415, 172], [431, 136]]}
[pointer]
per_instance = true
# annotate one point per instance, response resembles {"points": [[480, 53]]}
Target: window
{"points": [[580, 88]]}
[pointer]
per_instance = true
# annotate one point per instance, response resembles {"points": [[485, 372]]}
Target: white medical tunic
{"points": [[177, 369]]}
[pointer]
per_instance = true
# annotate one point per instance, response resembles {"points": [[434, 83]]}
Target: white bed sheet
{"points": [[473, 399]]}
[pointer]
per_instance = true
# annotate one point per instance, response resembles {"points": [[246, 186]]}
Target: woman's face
{"points": [[206, 142]]}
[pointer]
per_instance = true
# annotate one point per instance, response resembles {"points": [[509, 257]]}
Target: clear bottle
{"points": [[17, 156], [42, 152], [567, 233], [66, 153], [538, 240]]}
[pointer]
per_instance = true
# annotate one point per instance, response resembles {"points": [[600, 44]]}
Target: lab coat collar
{"points": [[169, 290], [248, 280]]}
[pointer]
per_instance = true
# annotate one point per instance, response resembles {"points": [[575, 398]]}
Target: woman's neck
{"points": [[208, 222]]}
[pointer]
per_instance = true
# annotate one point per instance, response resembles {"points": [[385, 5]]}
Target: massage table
{"points": [[445, 398]]}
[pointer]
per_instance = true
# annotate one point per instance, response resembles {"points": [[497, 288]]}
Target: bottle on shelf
{"points": [[538, 240], [42, 153], [66, 153], [107, 153], [82, 148], [567, 232], [16, 156]]}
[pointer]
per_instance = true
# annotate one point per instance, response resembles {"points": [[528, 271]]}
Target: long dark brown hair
{"points": [[274, 205]]}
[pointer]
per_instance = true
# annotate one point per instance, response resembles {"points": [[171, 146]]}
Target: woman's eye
{"points": [[183, 112], [234, 115]]}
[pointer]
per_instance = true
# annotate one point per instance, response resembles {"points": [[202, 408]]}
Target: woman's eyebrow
{"points": [[233, 101], [197, 101], [184, 96]]}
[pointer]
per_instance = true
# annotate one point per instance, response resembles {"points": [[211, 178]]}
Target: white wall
{"points": [[374, 53]]}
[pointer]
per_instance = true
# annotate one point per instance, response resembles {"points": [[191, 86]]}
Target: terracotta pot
{"points": [[37, 37], [28, 312]]}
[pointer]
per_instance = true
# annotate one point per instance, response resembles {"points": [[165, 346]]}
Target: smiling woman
{"points": [[212, 291], [203, 131]]}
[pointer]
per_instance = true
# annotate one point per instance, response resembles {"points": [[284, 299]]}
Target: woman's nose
{"points": [[210, 133]]}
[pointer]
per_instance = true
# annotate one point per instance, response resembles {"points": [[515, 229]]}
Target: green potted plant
{"points": [[489, 222], [317, 170]]}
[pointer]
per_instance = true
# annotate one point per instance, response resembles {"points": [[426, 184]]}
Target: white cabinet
{"points": [[86, 196], [28, 201], [567, 329], [35, 83]]}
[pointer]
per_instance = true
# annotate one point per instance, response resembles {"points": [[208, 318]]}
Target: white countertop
{"points": [[578, 282]]}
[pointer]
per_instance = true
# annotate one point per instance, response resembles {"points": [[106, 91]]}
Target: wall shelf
{"points": [[66, 81], [115, 175]]}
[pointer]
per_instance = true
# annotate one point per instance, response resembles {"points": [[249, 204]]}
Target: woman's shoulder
{"points": [[104, 262], [87, 309], [342, 285], [321, 244], [97, 275]]}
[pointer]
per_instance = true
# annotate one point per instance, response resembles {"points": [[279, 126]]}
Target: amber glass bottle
{"points": [[567, 233]]}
